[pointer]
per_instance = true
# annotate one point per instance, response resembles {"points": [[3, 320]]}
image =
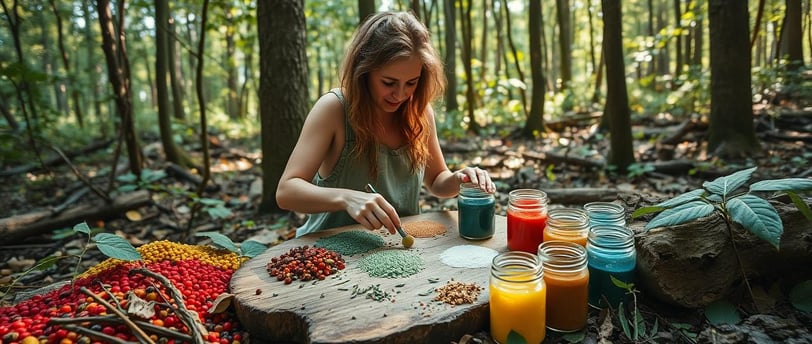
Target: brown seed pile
{"points": [[457, 293], [424, 229]]}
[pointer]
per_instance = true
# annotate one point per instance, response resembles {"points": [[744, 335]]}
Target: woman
{"points": [[378, 128]]}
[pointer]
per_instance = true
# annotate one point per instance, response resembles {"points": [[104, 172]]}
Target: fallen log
{"points": [[693, 264], [581, 196], [15, 228]]}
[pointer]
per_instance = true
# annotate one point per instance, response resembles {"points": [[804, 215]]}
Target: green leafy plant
{"points": [[249, 248], [635, 327], [728, 198], [131, 182], [110, 245]]}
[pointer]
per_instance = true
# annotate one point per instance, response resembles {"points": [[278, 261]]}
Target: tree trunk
{"points": [[118, 71], [793, 35], [534, 126], [66, 65], [483, 48], [621, 154], [515, 54], [365, 9], [283, 84], [678, 40], [467, 57], [173, 152], [731, 132], [233, 100], [175, 72], [564, 42], [451, 105]]}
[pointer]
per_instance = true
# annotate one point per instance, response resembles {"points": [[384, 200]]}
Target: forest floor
{"points": [[670, 161]]}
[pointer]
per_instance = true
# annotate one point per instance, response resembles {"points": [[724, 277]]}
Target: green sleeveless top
{"points": [[395, 181]]}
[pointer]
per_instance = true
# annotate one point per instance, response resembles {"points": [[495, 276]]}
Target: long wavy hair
{"points": [[383, 38]]}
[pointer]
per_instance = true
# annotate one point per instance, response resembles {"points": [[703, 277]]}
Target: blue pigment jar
{"points": [[605, 213], [476, 210], [610, 252]]}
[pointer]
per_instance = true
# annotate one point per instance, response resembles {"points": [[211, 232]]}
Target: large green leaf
{"points": [[681, 199], [722, 312], [800, 204], [801, 296], [252, 248], [117, 247], [727, 184], [220, 240], [787, 184], [681, 214], [758, 216]]}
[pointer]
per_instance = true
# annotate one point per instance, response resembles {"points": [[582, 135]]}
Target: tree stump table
{"points": [[325, 311]]}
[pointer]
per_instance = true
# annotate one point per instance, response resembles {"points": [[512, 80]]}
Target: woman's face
{"points": [[394, 83]]}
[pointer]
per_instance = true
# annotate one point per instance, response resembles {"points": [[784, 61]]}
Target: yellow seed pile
{"points": [[424, 229], [166, 250]]}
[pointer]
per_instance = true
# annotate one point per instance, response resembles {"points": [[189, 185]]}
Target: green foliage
{"points": [[801, 296], [726, 196], [634, 328], [515, 338], [146, 181], [249, 248], [117, 247], [722, 312]]}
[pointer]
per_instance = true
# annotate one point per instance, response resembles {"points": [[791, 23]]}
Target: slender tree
{"points": [[793, 34], [63, 54], [534, 125], [450, 36], [731, 132], [365, 9], [467, 60], [283, 84], [564, 41], [118, 70], [617, 109], [172, 151]]}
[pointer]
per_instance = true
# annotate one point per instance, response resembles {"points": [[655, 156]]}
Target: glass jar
{"points": [[526, 219], [475, 219], [567, 279], [567, 224], [605, 213], [610, 252], [517, 297]]}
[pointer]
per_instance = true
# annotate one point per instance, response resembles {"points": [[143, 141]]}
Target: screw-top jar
{"points": [[526, 219], [517, 297], [567, 224], [610, 252], [567, 278], [476, 209], [605, 213]]}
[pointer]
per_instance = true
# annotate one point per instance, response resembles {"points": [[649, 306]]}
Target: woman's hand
{"points": [[476, 176], [372, 211]]}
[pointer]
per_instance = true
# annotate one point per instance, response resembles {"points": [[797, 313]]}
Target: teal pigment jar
{"points": [[476, 212]]}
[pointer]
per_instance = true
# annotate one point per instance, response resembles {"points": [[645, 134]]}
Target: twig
{"points": [[739, 261], [79, 175], [95, 334], [116, 320], [183, 312], [137, 331]]}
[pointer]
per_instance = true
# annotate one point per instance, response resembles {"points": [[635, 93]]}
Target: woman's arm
{"points": [[319, 146], [439, 180]]}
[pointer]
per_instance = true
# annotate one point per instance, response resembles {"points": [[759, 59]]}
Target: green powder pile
{"points": [[391, 264], [350, 242]]}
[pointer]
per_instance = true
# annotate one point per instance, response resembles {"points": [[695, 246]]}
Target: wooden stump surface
{"points": [[325, 312]]}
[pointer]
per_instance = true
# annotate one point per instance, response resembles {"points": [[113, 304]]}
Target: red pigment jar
{"points": [[526, 219]]}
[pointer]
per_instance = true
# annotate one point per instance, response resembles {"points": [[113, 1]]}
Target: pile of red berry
{"points": [[305, 263]]}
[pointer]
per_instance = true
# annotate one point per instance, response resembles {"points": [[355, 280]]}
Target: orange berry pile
{"points": [[305, 263], [199, 273]]}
